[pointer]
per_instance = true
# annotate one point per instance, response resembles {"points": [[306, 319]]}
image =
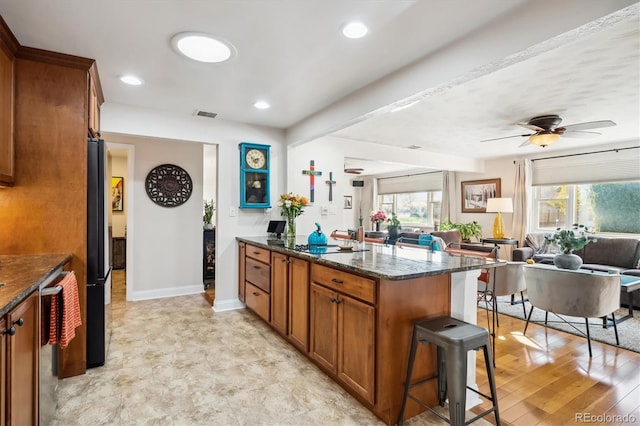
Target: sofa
{"points": [[607, 254]]}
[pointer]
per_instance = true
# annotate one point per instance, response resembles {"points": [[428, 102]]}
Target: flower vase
{"points": [[377, 226], [291, 230]]}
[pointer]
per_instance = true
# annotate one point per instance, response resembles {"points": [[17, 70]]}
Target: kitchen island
{"points": [[352, 312]]}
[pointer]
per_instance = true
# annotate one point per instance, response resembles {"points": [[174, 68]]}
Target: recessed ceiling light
{"points": [[355, 29], [202, 47], [131, 79], [262, 105]]}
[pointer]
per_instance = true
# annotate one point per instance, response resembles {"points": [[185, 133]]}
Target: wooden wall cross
{"points": [[330, 182], [312, 172]]}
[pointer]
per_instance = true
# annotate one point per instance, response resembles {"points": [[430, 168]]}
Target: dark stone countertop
{"points": [[382, 261], [23, 274]]}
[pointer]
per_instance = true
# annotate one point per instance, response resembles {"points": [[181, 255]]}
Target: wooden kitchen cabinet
{"points": [[95, 100], [257, 274], [241, 268], [298, 319], [279, 291], [8, 46], [20, 346], [343, 327], [3, 371]]}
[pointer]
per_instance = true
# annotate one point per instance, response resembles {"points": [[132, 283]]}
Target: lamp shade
{"points": [[499, 205]]}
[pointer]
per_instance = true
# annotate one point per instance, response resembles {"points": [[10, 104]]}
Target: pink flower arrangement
{"points": [[378, 217]]}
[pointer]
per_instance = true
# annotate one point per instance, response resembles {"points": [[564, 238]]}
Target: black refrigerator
{"points": [[98, 268]]}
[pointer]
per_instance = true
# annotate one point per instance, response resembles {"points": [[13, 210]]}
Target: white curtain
{"points": [[521, 200], [448, 205]]}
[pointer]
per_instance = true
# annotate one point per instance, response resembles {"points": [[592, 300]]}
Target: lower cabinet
{"points": [[19, 363], [298, 320], [343, 338], [242, 249], [279, 291], [326, 313]]}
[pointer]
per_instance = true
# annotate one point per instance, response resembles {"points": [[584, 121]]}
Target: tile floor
{"points": [[175, 362]]}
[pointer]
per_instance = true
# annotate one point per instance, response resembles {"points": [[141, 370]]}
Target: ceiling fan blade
{"points": [[589, 125], [505, 137], [580, 134], [525, 143], [532, 127]]}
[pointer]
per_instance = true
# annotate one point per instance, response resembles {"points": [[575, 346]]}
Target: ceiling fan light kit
{"points": [[544, 139]]}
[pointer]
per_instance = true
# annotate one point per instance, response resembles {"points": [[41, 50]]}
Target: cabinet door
{"points": [[299, 303], [22, 363], [3, 370], [94, 110], [356, 345], [241, 275], [279, 291], [324, 327], [6, 117]]}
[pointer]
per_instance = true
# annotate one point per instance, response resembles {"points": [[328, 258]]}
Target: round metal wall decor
{"points": [[168, 185]]}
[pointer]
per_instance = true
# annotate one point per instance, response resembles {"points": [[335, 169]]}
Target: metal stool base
{"points": [[453, 339]]}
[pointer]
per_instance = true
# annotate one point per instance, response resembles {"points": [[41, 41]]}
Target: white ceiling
{"points": [[583, 65]]}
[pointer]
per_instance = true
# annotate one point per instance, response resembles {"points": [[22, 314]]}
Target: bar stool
{"points": [[453, 339]]}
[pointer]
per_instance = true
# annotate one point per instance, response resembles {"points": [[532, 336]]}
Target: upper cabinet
{"points": [[95, 101], [8, 47]]}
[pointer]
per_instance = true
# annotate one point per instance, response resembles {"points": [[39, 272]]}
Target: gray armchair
{"points": [[509, 280], [580, 293]]}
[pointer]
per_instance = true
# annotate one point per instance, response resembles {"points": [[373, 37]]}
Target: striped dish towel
{"points": [[63, 331]]}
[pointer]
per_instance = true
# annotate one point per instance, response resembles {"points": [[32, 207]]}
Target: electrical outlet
{"points": [[324, 210], [233, 212]]}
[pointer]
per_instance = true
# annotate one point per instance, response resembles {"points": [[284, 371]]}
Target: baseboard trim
{"points": [[166, 292], [227, 305]]}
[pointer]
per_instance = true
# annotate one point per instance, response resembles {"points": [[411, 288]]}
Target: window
{"points": [[414, 209], [603, 207]]}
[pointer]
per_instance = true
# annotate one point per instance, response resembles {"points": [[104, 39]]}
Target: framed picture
{"points": [[348, 202], [475, 194], [117, 193]]}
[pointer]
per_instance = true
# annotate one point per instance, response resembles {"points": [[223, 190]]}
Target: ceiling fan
{"points": [[547, 130], [353, 170]]}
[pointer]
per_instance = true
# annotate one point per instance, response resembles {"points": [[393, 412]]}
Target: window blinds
{"points": [[410, 183], [604, 166]]}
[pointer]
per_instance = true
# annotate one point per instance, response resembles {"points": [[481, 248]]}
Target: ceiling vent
{"points": [[205, 114]]}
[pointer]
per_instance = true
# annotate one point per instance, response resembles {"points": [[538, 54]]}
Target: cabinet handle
{"points": [[337, 281], [256, 267], [19, 322], [256, 294], [256, 253], [10, 331], [338, 301]]}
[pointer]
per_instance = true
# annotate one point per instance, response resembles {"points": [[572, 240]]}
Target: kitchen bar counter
{"points": [[21, 275], [381, 261], [352, 312]]}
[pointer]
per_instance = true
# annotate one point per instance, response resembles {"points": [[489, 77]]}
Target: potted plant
{"points": [[393, 226], [467, 230], [569, 240], [207, 217]]}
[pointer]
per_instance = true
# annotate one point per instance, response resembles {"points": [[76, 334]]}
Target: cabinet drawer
{"points": [[344, 282], [263, 255], [258, 301], [258, 274]]}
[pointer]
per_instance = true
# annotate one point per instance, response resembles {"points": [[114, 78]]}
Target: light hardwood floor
{"points": [[547, 378]]}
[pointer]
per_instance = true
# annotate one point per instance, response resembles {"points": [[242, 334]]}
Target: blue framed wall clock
{"points": [[255, 176]]}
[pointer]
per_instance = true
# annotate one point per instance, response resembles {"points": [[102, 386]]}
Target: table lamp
{"points": [[499, 206]]}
